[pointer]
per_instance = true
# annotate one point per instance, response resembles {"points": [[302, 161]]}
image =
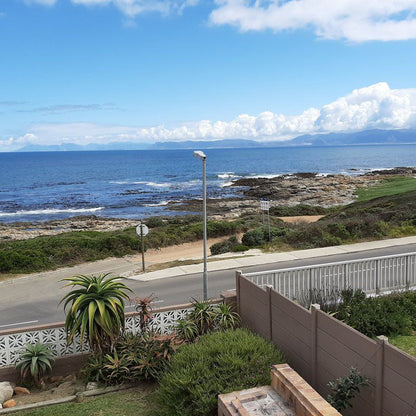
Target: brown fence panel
{"points": [[291, 325], [399, 382], [321, 349], [254, 307]]}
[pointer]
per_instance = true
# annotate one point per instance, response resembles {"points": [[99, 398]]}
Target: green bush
{"points": [[387, 315], [224, 246], [240, 247], [220, 248], [218, 363], [344, 389], [34, 361], [254, 237], [134, 358]]}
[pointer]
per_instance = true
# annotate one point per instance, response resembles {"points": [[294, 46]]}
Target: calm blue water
{"points": [[135, 184]]}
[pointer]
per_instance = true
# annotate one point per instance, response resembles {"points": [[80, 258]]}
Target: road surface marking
{"points": [[19, 323]]}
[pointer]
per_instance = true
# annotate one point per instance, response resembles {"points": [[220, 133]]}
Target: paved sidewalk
{"points": [[255, 260]]}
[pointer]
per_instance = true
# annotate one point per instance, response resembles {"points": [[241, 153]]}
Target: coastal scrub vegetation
{"points": [[387, 216], [383, 217], [67, 249]]}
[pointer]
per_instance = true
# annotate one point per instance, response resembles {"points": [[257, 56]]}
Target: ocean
{"points": [[42, 186]]}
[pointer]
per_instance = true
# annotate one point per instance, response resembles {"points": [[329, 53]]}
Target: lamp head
{"points": [[199, 155]]}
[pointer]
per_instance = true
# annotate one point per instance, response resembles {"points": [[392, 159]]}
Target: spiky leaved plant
{"points": [[96, 309], [34, 361]]}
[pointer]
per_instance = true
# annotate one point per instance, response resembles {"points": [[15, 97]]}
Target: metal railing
{"points": [[372, 275]]}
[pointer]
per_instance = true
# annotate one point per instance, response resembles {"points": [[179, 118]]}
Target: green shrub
{"points": [[34, 361], [218, 363], [224, 246], [344, 389], [220, 248], [254, 237], [387, 315], [134, 358], [240, 247]]}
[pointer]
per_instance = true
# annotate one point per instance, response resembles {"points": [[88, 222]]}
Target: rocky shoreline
{"points": [[289, 190]]}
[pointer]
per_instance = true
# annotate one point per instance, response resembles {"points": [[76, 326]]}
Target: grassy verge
{"points": [[67, 249], [405, 343], [135, 401], [390, 186]]}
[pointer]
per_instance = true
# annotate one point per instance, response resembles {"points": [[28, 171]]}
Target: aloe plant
{"points": [[34, 361], [225, 316], [96, 309]]}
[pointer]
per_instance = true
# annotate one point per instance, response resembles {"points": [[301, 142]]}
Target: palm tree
{"points": [[96, 309]]}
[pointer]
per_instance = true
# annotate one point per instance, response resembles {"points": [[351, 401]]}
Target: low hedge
{"points": [[218, 363]]}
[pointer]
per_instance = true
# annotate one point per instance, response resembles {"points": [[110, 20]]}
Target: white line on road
{"points": [[19, 323]]}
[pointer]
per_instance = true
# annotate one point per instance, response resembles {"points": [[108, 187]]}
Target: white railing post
{"points": [[407, 272], [377, 276]]}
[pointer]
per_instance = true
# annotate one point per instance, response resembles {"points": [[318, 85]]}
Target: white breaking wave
{"points": [[153, 184], [159, 204], [228, 175], [225, 184], [49, 211]]}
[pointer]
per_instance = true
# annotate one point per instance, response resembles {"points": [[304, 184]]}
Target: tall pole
{"points": [[141, 236], [204, 179]]}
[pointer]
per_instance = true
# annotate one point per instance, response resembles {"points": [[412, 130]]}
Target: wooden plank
{"points": [[342, 352], [399, 385], [284, 320], [346, 335], [400, 362], [302, 315], [395, 406], [282, 335]]}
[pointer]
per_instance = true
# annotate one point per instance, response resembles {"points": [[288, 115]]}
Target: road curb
{"points": [[263, 259]]}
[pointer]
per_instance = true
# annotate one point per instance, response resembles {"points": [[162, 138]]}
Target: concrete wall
{"points": [[321, 349], [62, 367]]}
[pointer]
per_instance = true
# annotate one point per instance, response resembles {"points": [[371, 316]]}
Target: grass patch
{"points": [[136, 401], [388, 187], [405, 343]]}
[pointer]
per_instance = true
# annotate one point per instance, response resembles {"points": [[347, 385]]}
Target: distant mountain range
{"points": [[367, 137]]}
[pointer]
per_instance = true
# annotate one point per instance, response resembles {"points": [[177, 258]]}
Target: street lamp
{"points": [[201, 156]]}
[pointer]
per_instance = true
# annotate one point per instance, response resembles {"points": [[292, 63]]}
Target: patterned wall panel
{"points": [[12, 344]]}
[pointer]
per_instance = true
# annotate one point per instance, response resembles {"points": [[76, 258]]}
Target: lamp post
{"points": [[201, 156]]}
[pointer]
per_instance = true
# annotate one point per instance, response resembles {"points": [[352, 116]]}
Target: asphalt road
{"points": [[28, 302]]}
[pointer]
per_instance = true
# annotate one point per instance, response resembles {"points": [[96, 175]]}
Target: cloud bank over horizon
{"points": [[374, 107]]}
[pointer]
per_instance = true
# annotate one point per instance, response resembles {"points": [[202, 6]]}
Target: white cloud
{"points": [[42, 2], [132, 8], [353, 20], [376, 106]]}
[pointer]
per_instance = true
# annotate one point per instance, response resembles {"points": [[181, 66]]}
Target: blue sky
{"points": [[131, 70]]}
